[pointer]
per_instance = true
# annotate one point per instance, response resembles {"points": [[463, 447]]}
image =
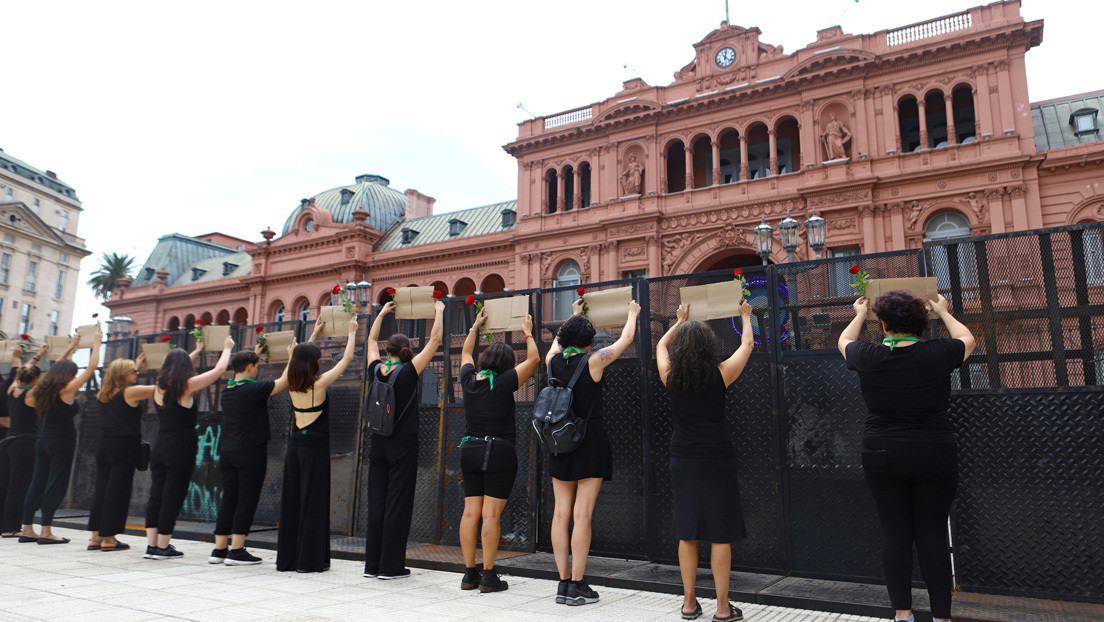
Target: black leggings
{"points": [[53, 461], [170, 473], [392, 473], [243, 474], [913, 485], [116, 461], [17, 458]]}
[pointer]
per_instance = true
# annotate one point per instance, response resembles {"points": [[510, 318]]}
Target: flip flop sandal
{"points": [[118, 546], [53, 541], [14, 534], [692, 616], [95, 546]]}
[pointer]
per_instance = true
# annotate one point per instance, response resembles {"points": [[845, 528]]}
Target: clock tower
{"points": [[729, 54]]}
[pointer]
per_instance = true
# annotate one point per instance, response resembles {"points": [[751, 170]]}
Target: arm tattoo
{"points": [[605, 354]]}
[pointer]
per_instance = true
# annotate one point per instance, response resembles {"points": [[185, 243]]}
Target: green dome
{"points": [[371, 193]]}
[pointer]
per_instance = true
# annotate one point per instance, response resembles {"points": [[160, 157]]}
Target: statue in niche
{"points": [[632, 179], [835, 138]]}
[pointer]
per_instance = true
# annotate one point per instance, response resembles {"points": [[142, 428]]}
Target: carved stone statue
{"points": [[835, 138], [632, 179]]}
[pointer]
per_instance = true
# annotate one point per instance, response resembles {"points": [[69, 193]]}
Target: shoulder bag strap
{"points": [[583, 364]]}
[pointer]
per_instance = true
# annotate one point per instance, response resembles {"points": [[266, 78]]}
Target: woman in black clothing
{"points": [[118, 453], [909, 455], [54, 400], [303, 540], [17, 452], [393, 460], [488, 458], [173, 457], [5, 383], [8, 468], [703, 460], [577, 477]]}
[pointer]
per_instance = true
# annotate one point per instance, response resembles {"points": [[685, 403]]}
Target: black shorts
{"points": [[502, 467]]}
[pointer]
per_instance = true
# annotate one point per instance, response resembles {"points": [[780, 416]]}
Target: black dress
{"points": [[116, 460], [592, 458], [172, 462], [303, 540], [17, 461], [703, 468]]}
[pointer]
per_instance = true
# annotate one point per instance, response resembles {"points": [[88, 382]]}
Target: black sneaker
{"points": [[169, 552], [491, 583], [150, 550], [561, 592], [402, 574], [241, 557], [471, 578], [580, 594], [218, 556]]}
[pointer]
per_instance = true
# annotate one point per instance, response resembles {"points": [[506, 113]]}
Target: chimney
{"points": [[418, 205], [51, 174]]}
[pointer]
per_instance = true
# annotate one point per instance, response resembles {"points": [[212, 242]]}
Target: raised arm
{"points": [[17, 357], [335, 372], [68, 353], [282, 381], [194, 354], [207, 378], [609, 354], [422, 359], [316, 334], [663, 359], [82, 378], [532, 355], [466, 354], [371, 349], [957, 329], [733, 366], [576, 309], [851, 333], [137, 393], [140, 362]]}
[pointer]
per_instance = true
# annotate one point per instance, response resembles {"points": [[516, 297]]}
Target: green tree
{"points": [[113, 267]]}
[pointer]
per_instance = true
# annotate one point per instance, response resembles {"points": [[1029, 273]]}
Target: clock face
{"points": [[725, 57]]}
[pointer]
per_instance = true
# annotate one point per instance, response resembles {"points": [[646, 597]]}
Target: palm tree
{"points": [[113, 267]]}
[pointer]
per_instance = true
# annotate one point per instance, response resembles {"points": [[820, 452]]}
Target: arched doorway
{"points": [[492, 284], [730, 259]]}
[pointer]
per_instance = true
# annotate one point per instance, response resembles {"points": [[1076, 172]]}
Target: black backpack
{"points": [[379, 404], [558, 429]]}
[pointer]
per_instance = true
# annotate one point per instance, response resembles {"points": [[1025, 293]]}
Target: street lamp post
{"points": [[815, 229], [787, 232], [764, 240]]}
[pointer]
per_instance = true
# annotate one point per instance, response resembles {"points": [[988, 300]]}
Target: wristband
{"points": [[472, 329], [528, 336]]}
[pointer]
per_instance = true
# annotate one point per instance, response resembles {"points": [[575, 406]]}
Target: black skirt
{"points": [[707, 499], [591, 459]]}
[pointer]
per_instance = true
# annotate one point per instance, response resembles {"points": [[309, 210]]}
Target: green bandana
{"points": [[572, 350], [464, 440], [230, 384], [19, 386], [489, 374], [893, 341], [389, 363]]}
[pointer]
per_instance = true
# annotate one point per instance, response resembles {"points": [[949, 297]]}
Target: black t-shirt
{"points": [[700, 428], [487, 412], [406, 424], [907, 391], [245, 415]]}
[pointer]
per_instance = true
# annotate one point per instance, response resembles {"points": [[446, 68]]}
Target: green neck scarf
{"points": [[572, 350], [27, 388], [489, 374], [389, 363], [893, 341], [230, 384]]}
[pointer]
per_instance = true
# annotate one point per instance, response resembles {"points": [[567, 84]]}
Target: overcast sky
{"points": [[200, 116]]}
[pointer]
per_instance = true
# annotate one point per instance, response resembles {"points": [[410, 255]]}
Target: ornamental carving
{"points": [[976, 204], [840, 197], [584, 258], [674, 247], [546, 262], [733, 236], [914, 211], [632, 178], [842, 224], [642, 227], [1017, 192], [636, 250]]}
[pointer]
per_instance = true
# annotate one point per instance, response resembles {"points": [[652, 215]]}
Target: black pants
{"points": [[170, 474], [53, 461], [303, 539], [913, 485], [17, 459], [392, 473], [243, 474], [116, 460]]}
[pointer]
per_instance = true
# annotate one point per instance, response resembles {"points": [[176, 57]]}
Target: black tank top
{"points": [[699, 422], [317, 432], [586, 399], [176, 425], [24, 420], [59, 420], [121, 420]]}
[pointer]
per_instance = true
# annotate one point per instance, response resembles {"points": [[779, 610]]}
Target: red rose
{"points": [[336, 290], [580, 291], [470, 300], [25, 337], [259, 329], [166, 339], [200, 323], [855, 269], [738, 271], [438, 295], [95, 315], [390, 291]]}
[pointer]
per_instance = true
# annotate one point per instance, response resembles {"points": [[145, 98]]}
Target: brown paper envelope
{"points": [[87, 336], [608, 308], [56, 345], [213, 336], [277, 343], [6, 348], [155, 354], [713, 301], [414, 303], [923, 287], [505, 314], [337, 321]]}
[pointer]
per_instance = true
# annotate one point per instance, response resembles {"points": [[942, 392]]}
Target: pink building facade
{"points": [[921, 132]]}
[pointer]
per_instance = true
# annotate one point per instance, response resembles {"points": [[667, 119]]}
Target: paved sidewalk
{"points": [[67, 583]]}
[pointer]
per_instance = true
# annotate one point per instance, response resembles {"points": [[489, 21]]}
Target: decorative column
{"points": [[577, 197], [523, 272], [879, 229], [745, 170], [952, 132], [610, 249], [922, 107], [866, 214], [560, 191], [977, 115], [1020, 221], [890, 135], [1004, 94], [996, 209], [654, 269], [716, 144], [805, 134], [983, 107], [663, 173], [772, 138], [689, 167], [895, 124], [897, 226]]}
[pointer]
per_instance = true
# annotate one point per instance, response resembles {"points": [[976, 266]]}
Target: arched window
{"points": [[946, 225], [278, 314], [584, 184], [730, 157], [965, 123], [676, 167], [551, 190], [304, 317], [569, 188], [936, 113], [758, 151], [569, 276], [304, 311], [951, 259], [908, 124], [703, 162]]}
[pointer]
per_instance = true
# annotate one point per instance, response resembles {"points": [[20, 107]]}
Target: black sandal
{"points": [[692, 616], [734, 614], [53, 540], [118, 546]]}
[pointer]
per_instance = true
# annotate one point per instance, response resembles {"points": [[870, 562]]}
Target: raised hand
{"points": [[388, 307], [862, 305], [228, 343], [745, 309], [683, 313]]}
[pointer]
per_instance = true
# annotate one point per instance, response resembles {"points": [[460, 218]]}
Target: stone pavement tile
{"points": [[116, 614]]}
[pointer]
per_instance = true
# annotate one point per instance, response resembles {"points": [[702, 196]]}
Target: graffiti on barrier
{"points": [[208, 443], [202, 501]]}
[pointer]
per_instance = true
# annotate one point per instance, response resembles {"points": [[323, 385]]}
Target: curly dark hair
{"points": [[47, 390], [902, 312], [174, 375], [498, 357], [576, 332], [303, 367], [242, 360], [399, 346], [693, 353]]}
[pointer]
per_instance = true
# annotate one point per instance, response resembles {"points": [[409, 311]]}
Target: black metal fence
{"points": [[1026, 408]]}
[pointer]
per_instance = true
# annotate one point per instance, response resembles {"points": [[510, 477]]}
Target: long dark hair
{"points": [[47, 390], [399, 345], [498, 357], [303, 367], [174, 375], [693, 353]]}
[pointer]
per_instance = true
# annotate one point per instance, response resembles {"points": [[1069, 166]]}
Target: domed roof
{"points": [[372, 193]]}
